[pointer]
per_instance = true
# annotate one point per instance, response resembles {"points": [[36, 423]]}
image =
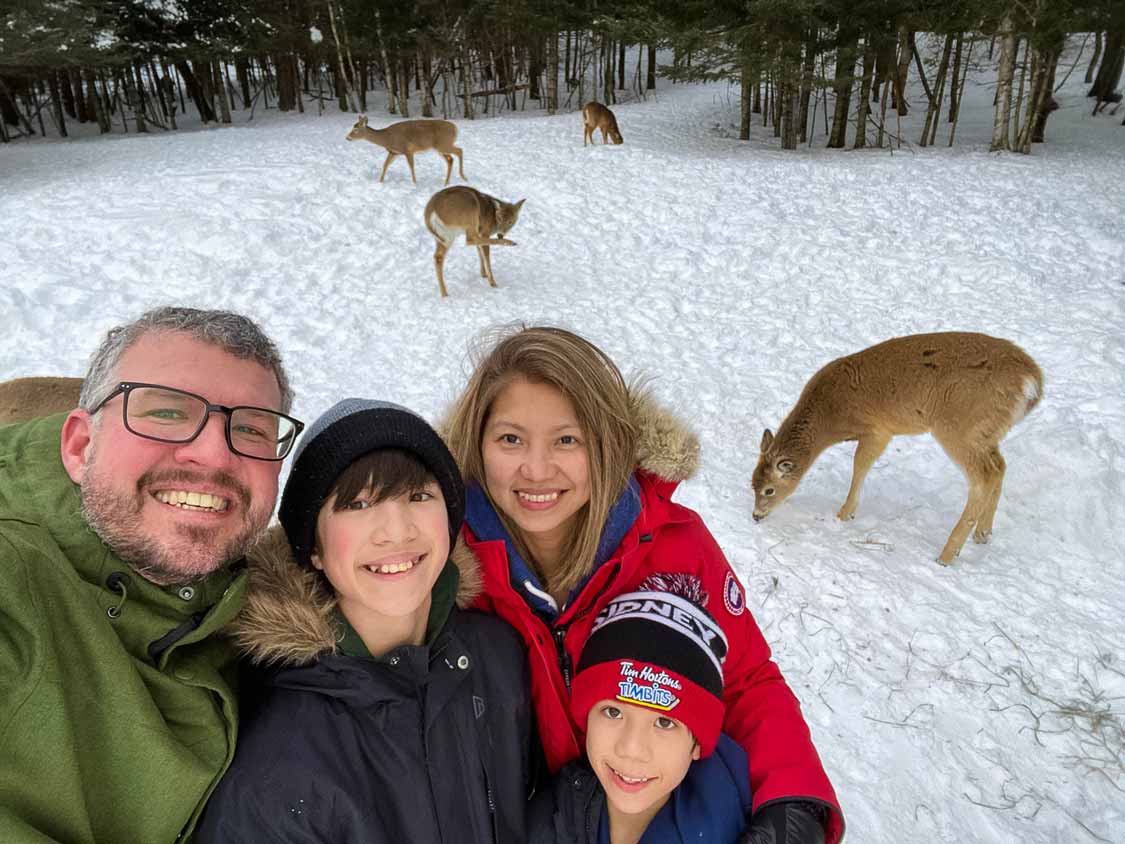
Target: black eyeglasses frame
{"points": [[125, 387]]}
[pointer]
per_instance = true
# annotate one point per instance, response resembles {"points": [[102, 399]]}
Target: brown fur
{"points": [[287, 617], [27, 398], [464, 210], [408, 137], [597, 116], [966, 389]]}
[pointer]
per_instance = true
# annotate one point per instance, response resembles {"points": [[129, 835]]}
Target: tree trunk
{"points": [[56, 102], [933, 111], [961, 91], [847, 41], [1046, 103], [404, 88], [1109, 72], [347, 96], [221, 90], [864, 102], [425, 67], [1094, 59], [905, 54], [954, 93], [621, 75], [242, 72], [808, 71], [553, 71], [67, 94], [749, 78], [650, 84], [1001, 135]]}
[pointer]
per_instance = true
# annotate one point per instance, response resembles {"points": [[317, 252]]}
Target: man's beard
{"points": [[190, 552]]}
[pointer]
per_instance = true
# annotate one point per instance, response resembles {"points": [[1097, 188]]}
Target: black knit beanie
{"points": [[347, 431]]}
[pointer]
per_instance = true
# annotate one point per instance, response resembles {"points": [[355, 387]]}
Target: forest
{"points": [[141, 66]]}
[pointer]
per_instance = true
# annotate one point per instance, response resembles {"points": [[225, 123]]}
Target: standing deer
{"points": [[410, 136], [457, 210], [597, 116], [966, 389], [26, 398]]}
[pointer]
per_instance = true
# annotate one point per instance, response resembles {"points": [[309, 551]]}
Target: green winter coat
{"points": [[112, 730]]}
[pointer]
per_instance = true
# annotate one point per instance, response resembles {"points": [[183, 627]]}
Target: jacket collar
{"points": [[290, 618]]}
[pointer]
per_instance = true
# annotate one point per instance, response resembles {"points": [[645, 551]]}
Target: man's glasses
{"points": [[168, 415]]}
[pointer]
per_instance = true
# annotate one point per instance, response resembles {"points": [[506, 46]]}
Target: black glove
{"points": [[786, 822]]}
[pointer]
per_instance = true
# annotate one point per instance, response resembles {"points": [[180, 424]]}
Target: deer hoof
{"points": [[981, 537], [845, 515]]}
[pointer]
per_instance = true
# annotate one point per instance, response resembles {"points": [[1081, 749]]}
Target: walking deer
{"points": [[453, 211], [597, 116], [26, 398], [966, 389], [408, 137]]}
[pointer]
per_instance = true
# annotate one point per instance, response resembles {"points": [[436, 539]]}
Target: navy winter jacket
{"points": [[427, 744]]}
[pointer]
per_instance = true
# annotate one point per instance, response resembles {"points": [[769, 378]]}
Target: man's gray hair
{"points": [[234, 333]]}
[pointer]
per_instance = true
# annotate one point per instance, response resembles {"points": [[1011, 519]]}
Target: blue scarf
{"points": [[486, 525]]}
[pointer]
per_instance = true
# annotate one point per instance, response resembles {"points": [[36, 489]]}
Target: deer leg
{"points": [[448, 166], [390, 157], [410, 161], [867, 451], [983, 474], [439, 259], [460, 162], [587, 133], [983, 531], [605, 137], [486, 265]]}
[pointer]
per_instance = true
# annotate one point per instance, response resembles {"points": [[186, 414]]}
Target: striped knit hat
{"points": [[660, 651]]}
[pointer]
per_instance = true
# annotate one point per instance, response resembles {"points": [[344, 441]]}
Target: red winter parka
{"points": [[762, 714]]}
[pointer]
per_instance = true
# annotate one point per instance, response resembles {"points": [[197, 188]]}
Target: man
{"points": [[122, 530]]}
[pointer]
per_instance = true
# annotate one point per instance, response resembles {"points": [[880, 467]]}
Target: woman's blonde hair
{"points": [[601, 398]]}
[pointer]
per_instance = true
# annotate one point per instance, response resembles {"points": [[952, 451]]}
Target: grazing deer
{"points": [[479, 216], [597, 116], [26, 398], [966, 389], [410, 136]]}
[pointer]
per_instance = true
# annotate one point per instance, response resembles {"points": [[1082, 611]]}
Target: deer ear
{"points": [[519, 204], [767, 440], [786, 466], [363, 119]]}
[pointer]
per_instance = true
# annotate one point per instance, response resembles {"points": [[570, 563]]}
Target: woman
{"points": [[570, 475]]}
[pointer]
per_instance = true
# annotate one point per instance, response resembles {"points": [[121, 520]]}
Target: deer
{"points": [[22, 399], [484, 220], [965, 389], [597, 116], [410, 136]]}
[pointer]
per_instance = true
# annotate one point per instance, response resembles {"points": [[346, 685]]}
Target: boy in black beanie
{"points": [[649, 690], [390, 712]]}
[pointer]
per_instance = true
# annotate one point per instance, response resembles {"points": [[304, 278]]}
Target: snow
{"points": [[979, 702]]}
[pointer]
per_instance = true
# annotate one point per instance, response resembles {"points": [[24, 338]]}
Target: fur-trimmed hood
{"points": [[287, 617], [666, 446]]}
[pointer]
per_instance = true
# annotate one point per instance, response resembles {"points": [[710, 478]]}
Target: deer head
{"points": [[775, 477], [360, 127]]}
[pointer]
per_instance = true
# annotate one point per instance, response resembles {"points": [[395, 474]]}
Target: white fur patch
{"points": [[1030, 397], [446, 234]]}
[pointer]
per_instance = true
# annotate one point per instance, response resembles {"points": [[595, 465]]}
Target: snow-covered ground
{"points": [[982, 702]]}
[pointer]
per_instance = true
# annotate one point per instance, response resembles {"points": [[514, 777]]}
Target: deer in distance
{"points": [[408, 137], [22, 399], [597, 116], [966, 389], [483, 219]]}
